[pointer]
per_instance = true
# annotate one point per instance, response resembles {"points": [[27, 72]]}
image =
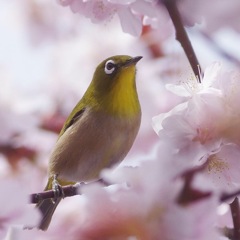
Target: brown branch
{"points": [[227, 232], [235, 210], [228, 196], [182, 36], [72, 190], [189, 194], [68, 191]]}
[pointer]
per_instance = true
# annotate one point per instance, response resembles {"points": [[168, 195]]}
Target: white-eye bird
{"points": [[100, 130]]}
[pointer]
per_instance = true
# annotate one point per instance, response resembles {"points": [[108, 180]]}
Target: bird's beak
{"points": [[131, 61]]}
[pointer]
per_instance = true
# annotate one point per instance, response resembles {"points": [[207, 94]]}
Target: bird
{"points": [[99, 131]]}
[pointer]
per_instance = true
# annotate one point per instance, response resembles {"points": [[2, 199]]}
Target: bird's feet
{"points": [[57, 189]]}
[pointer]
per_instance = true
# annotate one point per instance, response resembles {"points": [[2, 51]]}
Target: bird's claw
{"points": [[57, 189]]}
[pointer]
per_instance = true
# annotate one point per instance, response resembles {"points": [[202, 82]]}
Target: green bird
{"points": [[99, 131]]}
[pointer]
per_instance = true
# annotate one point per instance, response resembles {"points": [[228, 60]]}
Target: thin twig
{"points": [[235, 210], [68, 191], [227, 232], [228, 196], [182, 36]]}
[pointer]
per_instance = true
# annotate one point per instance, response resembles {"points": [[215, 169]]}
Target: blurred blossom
{"points": [[145, 208], [214, 15], [42, 24], [41, 83], [15, 209], [132, 14]]}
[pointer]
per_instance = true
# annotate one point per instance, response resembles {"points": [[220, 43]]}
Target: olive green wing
{"points": [[74, 116]]}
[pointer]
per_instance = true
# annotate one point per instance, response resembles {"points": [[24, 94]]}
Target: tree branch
{"points": [[182, 36], [228, 196], [187, 195], [227, 232], [68, 191], [235, 210]]}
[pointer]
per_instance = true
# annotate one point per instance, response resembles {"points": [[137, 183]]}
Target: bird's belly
{"points": [[90, 146]]}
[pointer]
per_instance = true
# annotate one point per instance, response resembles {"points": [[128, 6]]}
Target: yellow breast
{"points": [[123, 100]]}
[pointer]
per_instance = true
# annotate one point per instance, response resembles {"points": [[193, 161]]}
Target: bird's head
{"points": [[113, 86]]}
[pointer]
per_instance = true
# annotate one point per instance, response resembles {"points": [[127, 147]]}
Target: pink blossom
{"points": [[143, 201], [133, 14], [223, 168], [130, 13], [204, 127], [213, 14], [15, 208], [146, 208]]}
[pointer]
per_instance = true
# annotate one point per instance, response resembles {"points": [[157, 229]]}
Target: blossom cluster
{"points": [[172, 185], [133, 14], [204, 128]]}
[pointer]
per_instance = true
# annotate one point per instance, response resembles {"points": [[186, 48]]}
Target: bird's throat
{"points": [[122, 100]]}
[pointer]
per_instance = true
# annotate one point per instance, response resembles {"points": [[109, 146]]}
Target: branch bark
{"points": [[182, 36], [68, 191], [235, 210]]}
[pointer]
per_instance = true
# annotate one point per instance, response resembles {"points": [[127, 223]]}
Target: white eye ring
{"points": [[109, 67]]}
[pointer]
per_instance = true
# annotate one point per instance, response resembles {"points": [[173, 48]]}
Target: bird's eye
{"points": [[109, 67]]}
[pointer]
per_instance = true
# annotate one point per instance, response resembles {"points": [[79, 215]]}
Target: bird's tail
{"points": [[47, 208]]}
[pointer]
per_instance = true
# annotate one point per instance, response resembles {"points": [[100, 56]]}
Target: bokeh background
{"points": [[47, 59]]}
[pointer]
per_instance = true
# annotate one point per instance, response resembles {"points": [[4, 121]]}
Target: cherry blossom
{"points": [[15, 210], [148, 209], [225, 14], [132, 14], [205, 125], [40, 83]]}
